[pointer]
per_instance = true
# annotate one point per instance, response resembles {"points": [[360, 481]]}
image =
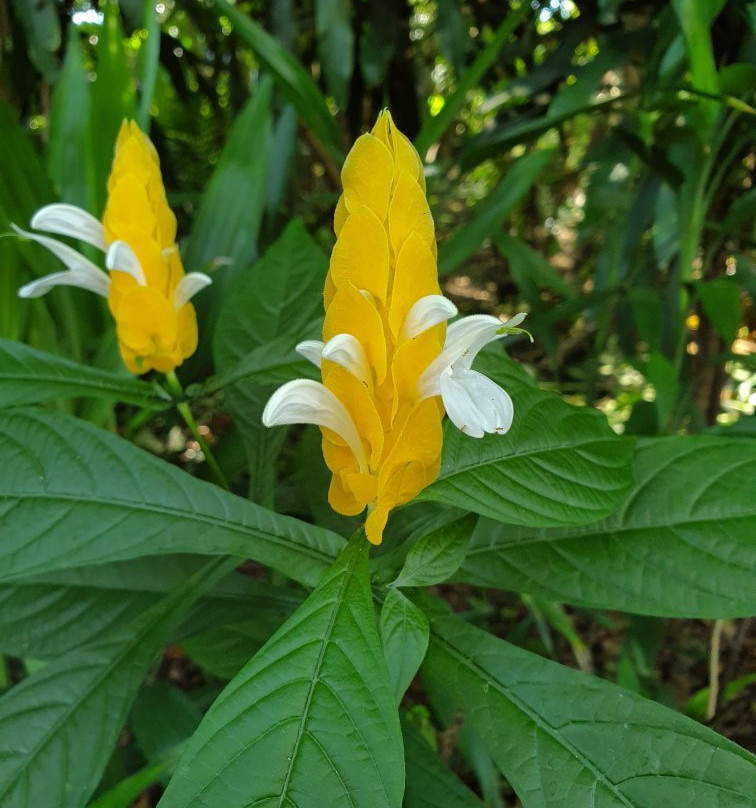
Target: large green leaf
{"points": [[489, 215], [225, 230], [44, 616], [69, 156], [275, 362], [272, 304], [681, 545], [557, 465], [292, 79], [61, 724], [430, 783], [71, 494], [113, 94], [29, 376], [567, 740], [24, 188], [227, 224], [312, 715]]}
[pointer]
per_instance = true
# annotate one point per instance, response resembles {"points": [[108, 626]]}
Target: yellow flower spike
{"points": [[389, 364], [147, 290]]}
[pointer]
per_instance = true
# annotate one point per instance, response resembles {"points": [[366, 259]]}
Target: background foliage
{"points": [[589, 161]]}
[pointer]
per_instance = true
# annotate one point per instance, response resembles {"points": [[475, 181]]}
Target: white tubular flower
{"points": [[303, 401], [311, 350], [80, 271], [474, 403]]}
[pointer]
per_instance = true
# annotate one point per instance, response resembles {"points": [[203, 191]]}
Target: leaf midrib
{"points": [[94, 684], [141, 507], [589, 531], [539, 721], [133, 390], [338, 604], [526, 455]]}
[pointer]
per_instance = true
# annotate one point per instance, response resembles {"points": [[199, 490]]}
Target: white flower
{"points": [[475, 404], [68, 220]]}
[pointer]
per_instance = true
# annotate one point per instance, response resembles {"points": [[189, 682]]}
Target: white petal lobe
{"points": [[68, 220], [81, 271], [475, 404], [303, 401], [121, 258], [188, 287], [427, 312], [311, 349], [346, 350]]}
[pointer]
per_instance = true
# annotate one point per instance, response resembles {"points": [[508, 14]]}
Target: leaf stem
{"points": [[182, 405], [716, 635]]}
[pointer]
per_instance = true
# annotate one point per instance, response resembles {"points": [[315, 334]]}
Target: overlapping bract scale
{"points": [[152, 331], [382, 264]]}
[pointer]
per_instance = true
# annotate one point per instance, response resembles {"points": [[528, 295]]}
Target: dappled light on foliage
{"points": [[339, 531]]}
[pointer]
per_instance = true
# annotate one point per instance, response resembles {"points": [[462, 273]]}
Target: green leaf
{"points": [[162, 718], [294, 82], [24, 188], [126, 793], [500, 139], [721, 303], [695, 20], [113, 94], [526, 261], [226, 227], [69, 156], [557, 465], [663, 376], [680, 546], [284, 291], [276, 362], [149, 65], [567, 740], [29, 376], [489, 215], [312, 715], [430, 783], [333, 25], [71, 494], [433, 128], [404, 633], [41, 616], [79, 702], [42, 31], [434, 557]]}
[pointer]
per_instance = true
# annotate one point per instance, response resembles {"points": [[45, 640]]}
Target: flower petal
{"points": [[121, 258], [81, 271], [303, 401], [68, 220], [346, 350], [188, 287], [427, 312], [312, 350], [475, 404], [464, 340]]}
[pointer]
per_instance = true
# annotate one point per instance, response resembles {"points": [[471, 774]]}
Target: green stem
{"points": [[175, 388]]}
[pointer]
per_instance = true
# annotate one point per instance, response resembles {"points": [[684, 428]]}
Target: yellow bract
{"points": [[152, 331], [384, 261]]}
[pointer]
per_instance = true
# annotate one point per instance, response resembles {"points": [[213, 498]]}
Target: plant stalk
{"points": [[182, 405]]}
